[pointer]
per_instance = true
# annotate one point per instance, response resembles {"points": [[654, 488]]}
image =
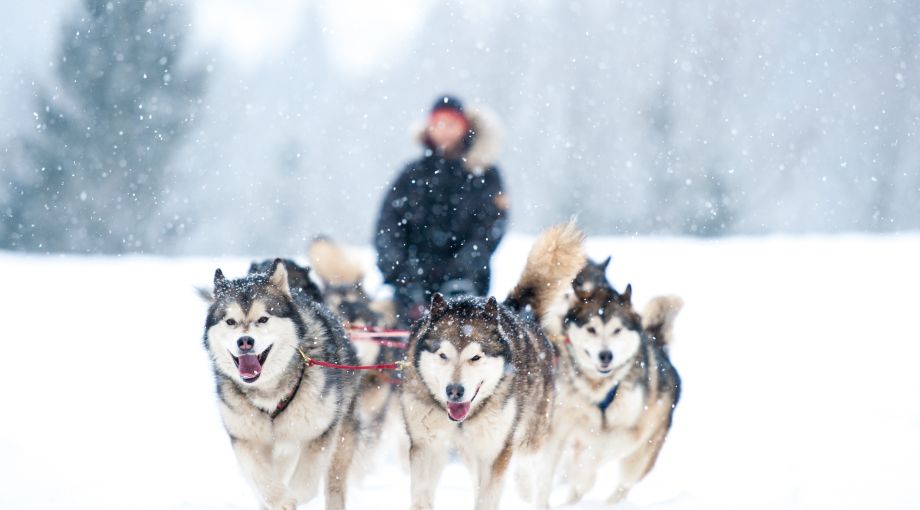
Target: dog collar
{"points": [[282, 405], [612, 394]]}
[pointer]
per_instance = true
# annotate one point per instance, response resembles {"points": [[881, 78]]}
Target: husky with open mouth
{"points": [[617, 386], [479, 378], [289, 424]]}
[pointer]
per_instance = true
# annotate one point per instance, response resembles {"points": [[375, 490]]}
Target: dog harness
{"points": [[309, 361], [612, 394], [282, 405]]}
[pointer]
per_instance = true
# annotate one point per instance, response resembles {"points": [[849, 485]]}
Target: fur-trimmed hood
{"points": [[487, 139]]}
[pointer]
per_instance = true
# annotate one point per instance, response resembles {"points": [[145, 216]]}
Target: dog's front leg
{"points": [[637, 464], [314, 460], [491, 477], [426, 463], [584, 472], [256, 463], [546, 468], [339, 467]]}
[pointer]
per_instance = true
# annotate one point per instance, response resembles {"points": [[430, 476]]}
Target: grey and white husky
{"points": [[617, 386], [479, 378], [289, 424]]}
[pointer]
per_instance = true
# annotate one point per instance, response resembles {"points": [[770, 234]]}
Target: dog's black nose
{"points": [[606, 357], [454, 392], [246, 343]]}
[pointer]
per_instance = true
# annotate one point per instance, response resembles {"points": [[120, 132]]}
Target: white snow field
{"points": [[798, 357]]}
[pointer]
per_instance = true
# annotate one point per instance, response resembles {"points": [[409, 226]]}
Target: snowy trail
{"points": [[798, 357]]}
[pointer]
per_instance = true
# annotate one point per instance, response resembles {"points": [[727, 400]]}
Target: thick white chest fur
{"points": [[307, 416]]}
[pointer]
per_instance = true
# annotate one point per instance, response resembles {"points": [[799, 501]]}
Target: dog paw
{"points": [[574, 497], [285, 503], [618, 496], [524, 486]]}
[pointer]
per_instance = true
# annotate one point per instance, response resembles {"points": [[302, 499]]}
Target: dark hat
{"points": [[447, 102]]}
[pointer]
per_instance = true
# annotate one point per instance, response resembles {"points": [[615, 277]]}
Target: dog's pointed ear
{"points": [[491, 309], [626, 296], [605, 263], [279, 277], [438, 305], [253, 268], [206, 295], [220, 281], [221, 284]]}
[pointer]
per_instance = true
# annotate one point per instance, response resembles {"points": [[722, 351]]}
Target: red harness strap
{"points": [[386, 343], [385, 366], [378, 331], [282, 405], [379, 335]]}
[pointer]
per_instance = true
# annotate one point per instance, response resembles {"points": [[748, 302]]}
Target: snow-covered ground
{"points": [[798, 357]]}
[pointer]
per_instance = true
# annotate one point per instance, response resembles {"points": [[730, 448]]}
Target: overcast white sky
{"points": [[360, 32]]}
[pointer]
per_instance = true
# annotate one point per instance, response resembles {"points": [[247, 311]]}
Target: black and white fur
{"points": [[480, 379], [289, 424], [617, 386]]}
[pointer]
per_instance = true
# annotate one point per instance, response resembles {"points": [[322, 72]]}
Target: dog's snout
{"points": [[454, 392], [246, 343], [606, 357]]}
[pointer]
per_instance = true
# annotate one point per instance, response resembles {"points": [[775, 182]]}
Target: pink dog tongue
{"points": [[458, 411], [250, 366]]}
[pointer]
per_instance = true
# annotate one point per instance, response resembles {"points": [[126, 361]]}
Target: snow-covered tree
{"points": [[105, 132]]}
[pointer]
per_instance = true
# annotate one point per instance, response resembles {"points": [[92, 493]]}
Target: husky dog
{"points": [[617, 387], [298, 277], [591, 277], [344, 294], [343, 289], [479, 379], [289, 424]]}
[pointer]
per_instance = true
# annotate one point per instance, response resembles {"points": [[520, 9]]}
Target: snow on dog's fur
{"points": [[480, 378], [289, 425]]}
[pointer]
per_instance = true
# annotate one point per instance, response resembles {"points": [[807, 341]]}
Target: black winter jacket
{"points": [[440, 221]]}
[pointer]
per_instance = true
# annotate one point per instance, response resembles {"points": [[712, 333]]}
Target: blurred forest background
{"points": [[237, 127]]}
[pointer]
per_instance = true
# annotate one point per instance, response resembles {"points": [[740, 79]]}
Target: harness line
{"points": [[398, 365], [379, 335]]}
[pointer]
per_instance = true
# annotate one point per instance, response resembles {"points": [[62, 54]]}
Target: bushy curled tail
{"points": [[333, 264], [658, 319], [555, 258]]}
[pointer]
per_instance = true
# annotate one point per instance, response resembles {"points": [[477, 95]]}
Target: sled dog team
{"points": [[563, 368]]}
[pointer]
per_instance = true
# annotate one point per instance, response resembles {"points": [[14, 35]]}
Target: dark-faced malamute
{"points": [[479, 379]]}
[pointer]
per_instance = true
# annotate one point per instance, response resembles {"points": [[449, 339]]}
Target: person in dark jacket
{"points": [[445, 214]]}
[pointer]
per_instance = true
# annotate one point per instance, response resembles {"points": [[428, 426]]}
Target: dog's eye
{"points": [[262, 320], [476, 358], [617, 331], [591, 331], [231, 322], [443, 356]]}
